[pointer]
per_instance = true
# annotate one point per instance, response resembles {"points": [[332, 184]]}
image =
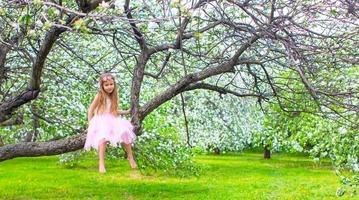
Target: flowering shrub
{"points": [[158, 153], [159, 150], [71, 159]]}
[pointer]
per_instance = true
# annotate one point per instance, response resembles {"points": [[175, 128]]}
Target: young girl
{"points": [[105, 125]]}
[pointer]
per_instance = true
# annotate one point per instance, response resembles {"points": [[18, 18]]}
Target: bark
{"points": [[138, 72], [13, 121], [3, 51], [45, 48], [32, 149], [266, 152], [7, 108], [87, 6], [216, 151], [185, 121], [135, 92], [31, 136], [1, 142]]}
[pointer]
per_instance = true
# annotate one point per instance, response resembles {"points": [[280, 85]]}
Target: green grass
{"points": [[234, 176]]}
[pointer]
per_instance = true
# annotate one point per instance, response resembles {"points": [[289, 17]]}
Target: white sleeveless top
{"points": [[108, 107]]}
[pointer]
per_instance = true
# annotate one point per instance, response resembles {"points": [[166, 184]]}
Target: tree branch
{"points": [[7, 107], [138, 35], [195, 77], [32, 149], [220, 90]]}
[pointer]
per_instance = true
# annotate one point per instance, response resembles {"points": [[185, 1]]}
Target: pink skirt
{"points": [[107, 127]]}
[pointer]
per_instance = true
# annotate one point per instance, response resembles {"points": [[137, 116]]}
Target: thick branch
{"points": [[137, 79], [45, 48], [3, 51], [32, 149], [7, 107], [87, 6], [176, 45], [5, 47], [220, 90], [156, 76], [194, 77], [138, 35], [13, 121]]}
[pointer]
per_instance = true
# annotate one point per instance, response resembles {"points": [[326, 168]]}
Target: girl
{"points": [[105, 125]]}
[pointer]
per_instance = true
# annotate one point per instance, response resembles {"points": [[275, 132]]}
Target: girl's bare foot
{"points": [[132, 163], [102, 169]]}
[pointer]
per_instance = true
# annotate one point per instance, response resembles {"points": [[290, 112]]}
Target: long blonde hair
{"points": [[102, 95]]}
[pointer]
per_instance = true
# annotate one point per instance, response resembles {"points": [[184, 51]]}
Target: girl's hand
{"points": [[124, 112]]}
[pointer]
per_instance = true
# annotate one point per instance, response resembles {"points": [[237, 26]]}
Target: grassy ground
{"points": [[241, 176]]}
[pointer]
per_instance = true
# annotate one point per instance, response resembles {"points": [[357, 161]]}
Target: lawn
{"points": [[233, 176]]}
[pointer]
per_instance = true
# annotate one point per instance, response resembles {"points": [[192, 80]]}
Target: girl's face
{"points": [[108, 86]]}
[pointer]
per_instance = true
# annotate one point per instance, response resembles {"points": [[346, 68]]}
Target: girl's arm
{"points": [[124, 112], [92, 108]]}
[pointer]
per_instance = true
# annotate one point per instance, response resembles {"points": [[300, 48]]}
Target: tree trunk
{"points": [[32, 135], [185, 120], [216, 150], [32, 149], [3, 51], [1, 142], [266, 152]]}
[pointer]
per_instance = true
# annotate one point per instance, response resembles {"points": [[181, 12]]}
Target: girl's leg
{"points": [[130, 156], [101, 156]]}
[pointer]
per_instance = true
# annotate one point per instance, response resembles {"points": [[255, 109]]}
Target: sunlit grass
{"points": [[233, 176]]}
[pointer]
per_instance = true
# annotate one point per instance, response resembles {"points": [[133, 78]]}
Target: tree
{"points": [[250, 41]]}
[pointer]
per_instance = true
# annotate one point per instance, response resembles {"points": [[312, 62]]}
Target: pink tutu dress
{"points": [[107, 127]]}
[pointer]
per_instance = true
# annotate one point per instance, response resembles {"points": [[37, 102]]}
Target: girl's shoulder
{"points": [[96, 99], [96, 96]]}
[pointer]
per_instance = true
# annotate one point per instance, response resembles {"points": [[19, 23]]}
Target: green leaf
{"points": [[197, 35], [52, 12], [37, 2], [334, 13], [25, 19], [2, 12], [47, 25]]}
